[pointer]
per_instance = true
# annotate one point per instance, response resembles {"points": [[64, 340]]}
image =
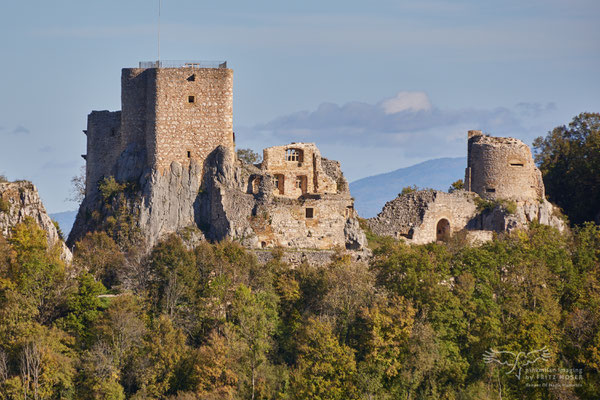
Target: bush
{"points": [[4, 205], [458, 185], [109, 188], [58, 230], [408, 189], [484, 205], [3, 178]]}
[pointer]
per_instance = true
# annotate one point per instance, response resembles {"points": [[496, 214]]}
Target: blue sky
{"points": [[378, 85]]}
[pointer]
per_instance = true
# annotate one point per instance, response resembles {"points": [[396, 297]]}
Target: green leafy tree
{"points": [[98, 254], [248, 156], [253, 322], [325, 368], [569, 158]]}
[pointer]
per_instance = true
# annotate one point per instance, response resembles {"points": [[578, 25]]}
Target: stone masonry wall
{"points": [[310, 167], [103, 141], [415, 216], [194, 114], [502, 168]]}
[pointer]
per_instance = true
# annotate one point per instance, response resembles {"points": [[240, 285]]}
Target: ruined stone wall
{"points": [[501, 168], [313, 223], [194, 114], [103, 144], [310, 167], [415, 216]]}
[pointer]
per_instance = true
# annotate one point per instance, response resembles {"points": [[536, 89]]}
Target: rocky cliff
{"points": [[19, 200]]}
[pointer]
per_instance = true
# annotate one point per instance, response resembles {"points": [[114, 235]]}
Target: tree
{"points": [[78, 186], [254, 318], [569, 158], [248, 156], [98, 254], [325, 369]]}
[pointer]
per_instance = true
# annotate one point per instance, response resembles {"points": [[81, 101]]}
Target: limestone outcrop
{"points": [[19, 200]]}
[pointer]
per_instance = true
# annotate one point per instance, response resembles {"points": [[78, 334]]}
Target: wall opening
{"points": [[442, 231], [490, 190], [516, 164], [191, 78], [279, 181], [349, 211], [301, 183], [294, 155], [189, 154], [310, 212], [191, 99], [255, 185]]}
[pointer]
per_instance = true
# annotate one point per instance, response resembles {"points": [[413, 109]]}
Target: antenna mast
{"points": [[158, 58]]}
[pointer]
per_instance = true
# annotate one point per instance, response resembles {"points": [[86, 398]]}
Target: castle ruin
{"points": [[173, 145], [503, 191]]}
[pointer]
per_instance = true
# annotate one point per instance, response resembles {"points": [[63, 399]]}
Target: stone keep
{"points": [[168, 114], [501, 168]]}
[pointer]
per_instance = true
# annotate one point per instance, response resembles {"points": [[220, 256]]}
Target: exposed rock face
{"points": [[430, 215], [235, 201], [20, 200], [500, 220]]}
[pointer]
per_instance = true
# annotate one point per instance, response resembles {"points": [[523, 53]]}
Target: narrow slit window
{"points": [[516, 164], [191, 99], [490, 190], [310, 212], [189, 154]]}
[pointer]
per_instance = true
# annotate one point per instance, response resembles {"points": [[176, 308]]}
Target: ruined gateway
{"points": [[503, 191], [172, 150]]}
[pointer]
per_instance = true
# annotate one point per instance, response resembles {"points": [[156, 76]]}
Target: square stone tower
{"points": [[172, 111], [180, 112]]}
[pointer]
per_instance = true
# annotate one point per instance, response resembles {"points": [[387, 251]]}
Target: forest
{"points": [[514, 318]]}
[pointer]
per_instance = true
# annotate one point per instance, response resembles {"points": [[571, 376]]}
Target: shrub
{"points": [[58, 230], [458, 185], [408, 189], [4, 205], [3, 178], [109, 188]]}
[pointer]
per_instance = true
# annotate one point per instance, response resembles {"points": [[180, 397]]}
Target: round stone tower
{"points": [[502, 168]]}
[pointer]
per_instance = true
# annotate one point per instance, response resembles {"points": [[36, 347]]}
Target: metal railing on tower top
{"points": [[183, 64]]}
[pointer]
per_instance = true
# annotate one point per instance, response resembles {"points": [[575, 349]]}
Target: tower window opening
{"points": [[191, 78], [490, 190], [516, 164], [294, 155], [310, 212], [191, 99], [189, 154]]}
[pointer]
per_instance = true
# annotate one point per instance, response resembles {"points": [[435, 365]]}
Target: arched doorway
{"points": [[442, 230]]}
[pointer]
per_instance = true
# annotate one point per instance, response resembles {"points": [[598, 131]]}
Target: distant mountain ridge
{"points": [[373, 192], [65, 220]]}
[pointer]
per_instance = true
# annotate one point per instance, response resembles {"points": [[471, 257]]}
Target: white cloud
{"points": [[406, 101]]}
